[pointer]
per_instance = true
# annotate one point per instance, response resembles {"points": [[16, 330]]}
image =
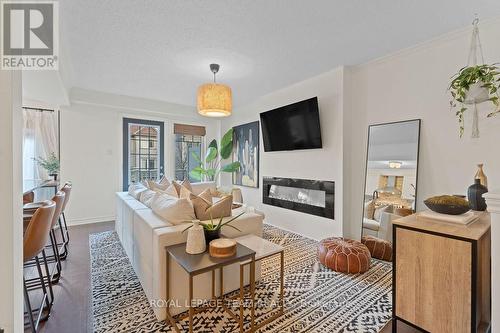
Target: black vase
{"points": [[475, 196], [210, 235]]}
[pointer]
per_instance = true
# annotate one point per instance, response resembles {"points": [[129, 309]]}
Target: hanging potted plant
{"points": [[475, 84], [51, 164]]}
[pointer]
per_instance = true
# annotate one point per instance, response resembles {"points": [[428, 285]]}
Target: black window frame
{"points": [[125, 144]]}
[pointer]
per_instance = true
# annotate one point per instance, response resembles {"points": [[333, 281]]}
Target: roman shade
{"points": [[189, 129]]}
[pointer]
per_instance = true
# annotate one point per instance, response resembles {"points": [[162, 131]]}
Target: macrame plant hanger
{"points": [[475, 50]]}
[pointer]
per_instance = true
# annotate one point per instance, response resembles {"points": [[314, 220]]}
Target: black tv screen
{"points": [[291, 127]]}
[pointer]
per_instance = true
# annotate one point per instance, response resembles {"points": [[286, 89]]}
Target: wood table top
{"points": [[472, 231]]}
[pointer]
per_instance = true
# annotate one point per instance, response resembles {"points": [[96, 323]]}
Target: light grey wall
{"points": [[11, 235]]}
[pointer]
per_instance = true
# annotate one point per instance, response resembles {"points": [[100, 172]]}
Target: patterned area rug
{"points": [[316, 298]]}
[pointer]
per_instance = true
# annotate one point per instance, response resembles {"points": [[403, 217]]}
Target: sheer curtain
{"points": [[40, 139]]}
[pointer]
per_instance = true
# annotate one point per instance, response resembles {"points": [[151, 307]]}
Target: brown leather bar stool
{"points": [[64, 232], [55, 273], [35, 238]]}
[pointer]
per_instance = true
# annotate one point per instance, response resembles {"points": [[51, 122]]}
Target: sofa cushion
{"points": [[201, 186], [172, 209], [153, 221], [371, 224], [205, 210], [124, 196]]}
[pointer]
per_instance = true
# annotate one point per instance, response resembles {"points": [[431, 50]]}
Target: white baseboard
{"points": [[91, 220]]}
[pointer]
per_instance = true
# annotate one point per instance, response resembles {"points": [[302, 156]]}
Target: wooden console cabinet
{"points": [[441, 275]]}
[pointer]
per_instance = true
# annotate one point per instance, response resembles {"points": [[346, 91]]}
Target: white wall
{"points": [[43, 89], [91, 146], [412, 84], [11, 235], [317, 164], [493, 202]]}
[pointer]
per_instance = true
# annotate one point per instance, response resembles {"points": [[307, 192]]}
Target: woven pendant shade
{"points": [[214, 100]]}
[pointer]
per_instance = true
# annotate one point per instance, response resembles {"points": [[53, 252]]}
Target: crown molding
{"points": [[428, 44]]}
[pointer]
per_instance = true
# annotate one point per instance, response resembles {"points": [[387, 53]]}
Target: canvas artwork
{"points": [[246, 151]]}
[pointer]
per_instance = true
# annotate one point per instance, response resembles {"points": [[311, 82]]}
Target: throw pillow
{"points": [[171, 209], [164, 181], [187, 185], [369, 209], [136, 189], [178, 191], [147, 197], [205, 210], [378, 212], [206, 194], [152, 185]]}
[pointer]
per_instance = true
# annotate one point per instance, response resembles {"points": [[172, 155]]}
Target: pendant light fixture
{"points": [[214, 99], [395, 164]]}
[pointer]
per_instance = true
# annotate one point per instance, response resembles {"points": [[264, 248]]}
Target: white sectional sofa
{"points": [[144, 236]]}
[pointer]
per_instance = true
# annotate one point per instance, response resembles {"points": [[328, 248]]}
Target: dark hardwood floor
{"points": [[71, 309]]}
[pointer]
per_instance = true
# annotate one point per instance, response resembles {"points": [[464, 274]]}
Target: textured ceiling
{"points": [[161, 49]]}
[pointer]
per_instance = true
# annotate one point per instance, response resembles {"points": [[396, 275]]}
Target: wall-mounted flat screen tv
{"points": [[292, 127]]}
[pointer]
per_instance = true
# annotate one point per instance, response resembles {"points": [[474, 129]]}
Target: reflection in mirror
{"points": [[391, 176]]}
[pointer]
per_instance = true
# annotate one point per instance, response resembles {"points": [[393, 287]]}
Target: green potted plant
{"points": [[212, 229], [51, 164], [474, 85], [210, 168]]}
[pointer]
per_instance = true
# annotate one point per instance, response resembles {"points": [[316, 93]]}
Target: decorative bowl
{"points": [[447, 204]]}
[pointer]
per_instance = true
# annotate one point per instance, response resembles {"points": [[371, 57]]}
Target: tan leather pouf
{"points": [[344, 255], [379, 248]]}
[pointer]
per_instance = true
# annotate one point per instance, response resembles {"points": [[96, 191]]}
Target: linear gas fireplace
{"points": [[314, 197]]}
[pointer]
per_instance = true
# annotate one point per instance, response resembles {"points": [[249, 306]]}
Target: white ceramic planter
{"points": [[196, 239], [476, 94]]}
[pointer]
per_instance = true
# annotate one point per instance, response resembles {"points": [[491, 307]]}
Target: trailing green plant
{"points": [[210, 167], [488, 75], [51, 163], [213, 226]]}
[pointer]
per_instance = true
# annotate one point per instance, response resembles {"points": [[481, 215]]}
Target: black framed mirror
{"points": [[391, 176]]}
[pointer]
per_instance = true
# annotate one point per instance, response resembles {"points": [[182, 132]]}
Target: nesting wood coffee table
{"points": [[263, 249], [250, 248], [195, 264]]}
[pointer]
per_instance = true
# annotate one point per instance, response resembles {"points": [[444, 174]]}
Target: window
{"points": [[40, 140], [143, 153], [188, 141], [185, 147]]}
